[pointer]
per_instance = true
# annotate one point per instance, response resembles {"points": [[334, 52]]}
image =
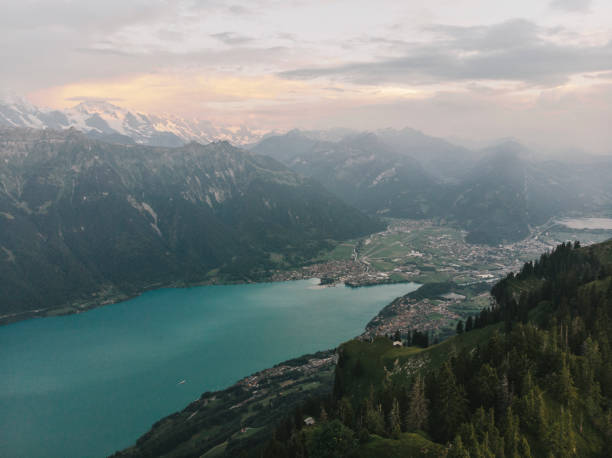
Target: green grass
{"points": [[397, 278], [379, 355], [382, 265], [216, 451], [432, 277], [408, 445], [471, 306], [247, 433], [277, 258], [341, 252]]}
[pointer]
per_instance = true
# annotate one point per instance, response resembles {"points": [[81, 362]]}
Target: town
{"points": [[426, 252]]}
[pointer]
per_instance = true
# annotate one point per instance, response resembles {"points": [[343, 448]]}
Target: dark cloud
{"points": [[287, 36], [574, 6], [231, 38], [105, 52], [516, 50], [239, 10]]}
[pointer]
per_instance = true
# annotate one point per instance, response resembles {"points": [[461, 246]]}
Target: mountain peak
{"points": [[508, 146], [100, 107], [104, 120], [9, 97]]}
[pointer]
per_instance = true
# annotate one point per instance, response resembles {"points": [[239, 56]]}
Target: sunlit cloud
{"points": [[273, 65], [162, 91]]}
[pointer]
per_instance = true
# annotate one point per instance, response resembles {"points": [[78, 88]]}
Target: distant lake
{"points": [[587, 223], [87, 385]]}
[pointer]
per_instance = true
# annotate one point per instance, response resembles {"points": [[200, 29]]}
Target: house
{"points": [[309, 421]]}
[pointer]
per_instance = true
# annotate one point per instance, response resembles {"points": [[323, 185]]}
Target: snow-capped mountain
{"points": [[101, 119]]}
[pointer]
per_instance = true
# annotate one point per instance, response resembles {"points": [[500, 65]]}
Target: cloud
{"points": [[287, 36], [192, 91], [84, 98], [231, 38], [104, 17], [602, 75], [558, 118], [105, 52], [515, 50], [573, 6], [239, 10]]}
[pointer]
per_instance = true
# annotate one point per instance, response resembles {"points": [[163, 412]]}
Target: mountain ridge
{"points": [[104, 120], [497, 194], [86, 221]]}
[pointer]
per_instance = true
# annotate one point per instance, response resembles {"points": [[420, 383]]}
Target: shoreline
{"points": [[76, 306], [111, 296]]}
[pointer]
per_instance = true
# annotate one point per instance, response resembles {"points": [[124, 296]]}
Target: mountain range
{"points": [[85, 221], [496, 193], [106, 121]]}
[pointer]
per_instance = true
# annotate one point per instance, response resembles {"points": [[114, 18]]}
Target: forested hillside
{"points": [[531, 376], [84, 221]]}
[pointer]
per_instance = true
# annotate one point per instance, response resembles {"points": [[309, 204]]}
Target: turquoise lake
{"points": [[89, 384]]}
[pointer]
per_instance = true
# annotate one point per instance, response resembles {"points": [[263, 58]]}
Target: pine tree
{"points": [[345, 412], [418, 413], [469, 324], [394, 420], [374, 419], [564, 387], [457, 449], [450, 406], [532, 411], [323, 414], [331, 440], [512, 436], [503, 397], [560, 439]]}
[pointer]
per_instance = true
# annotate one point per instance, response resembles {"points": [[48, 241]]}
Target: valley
{"points": [[448, 295], [434, 253], [86, 223], [444, 399]]}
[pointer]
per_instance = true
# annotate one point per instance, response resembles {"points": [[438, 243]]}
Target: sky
{"points": [[468, 70]]}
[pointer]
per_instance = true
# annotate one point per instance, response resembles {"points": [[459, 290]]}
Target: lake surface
{"points": [[87, 385]]}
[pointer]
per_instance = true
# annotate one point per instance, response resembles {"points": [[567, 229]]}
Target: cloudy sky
{"points": [[539, 71]]}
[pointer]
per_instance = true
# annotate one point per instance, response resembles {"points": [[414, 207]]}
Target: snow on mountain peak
{"points": [[99, 106], [103, 118], [8, 97]]}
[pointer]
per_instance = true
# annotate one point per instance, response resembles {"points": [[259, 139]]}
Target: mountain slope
{"points": [[86, 221], [496, 194], [375, 173], [490, 201], [360, 169], [530, 376], [440, 158]]}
